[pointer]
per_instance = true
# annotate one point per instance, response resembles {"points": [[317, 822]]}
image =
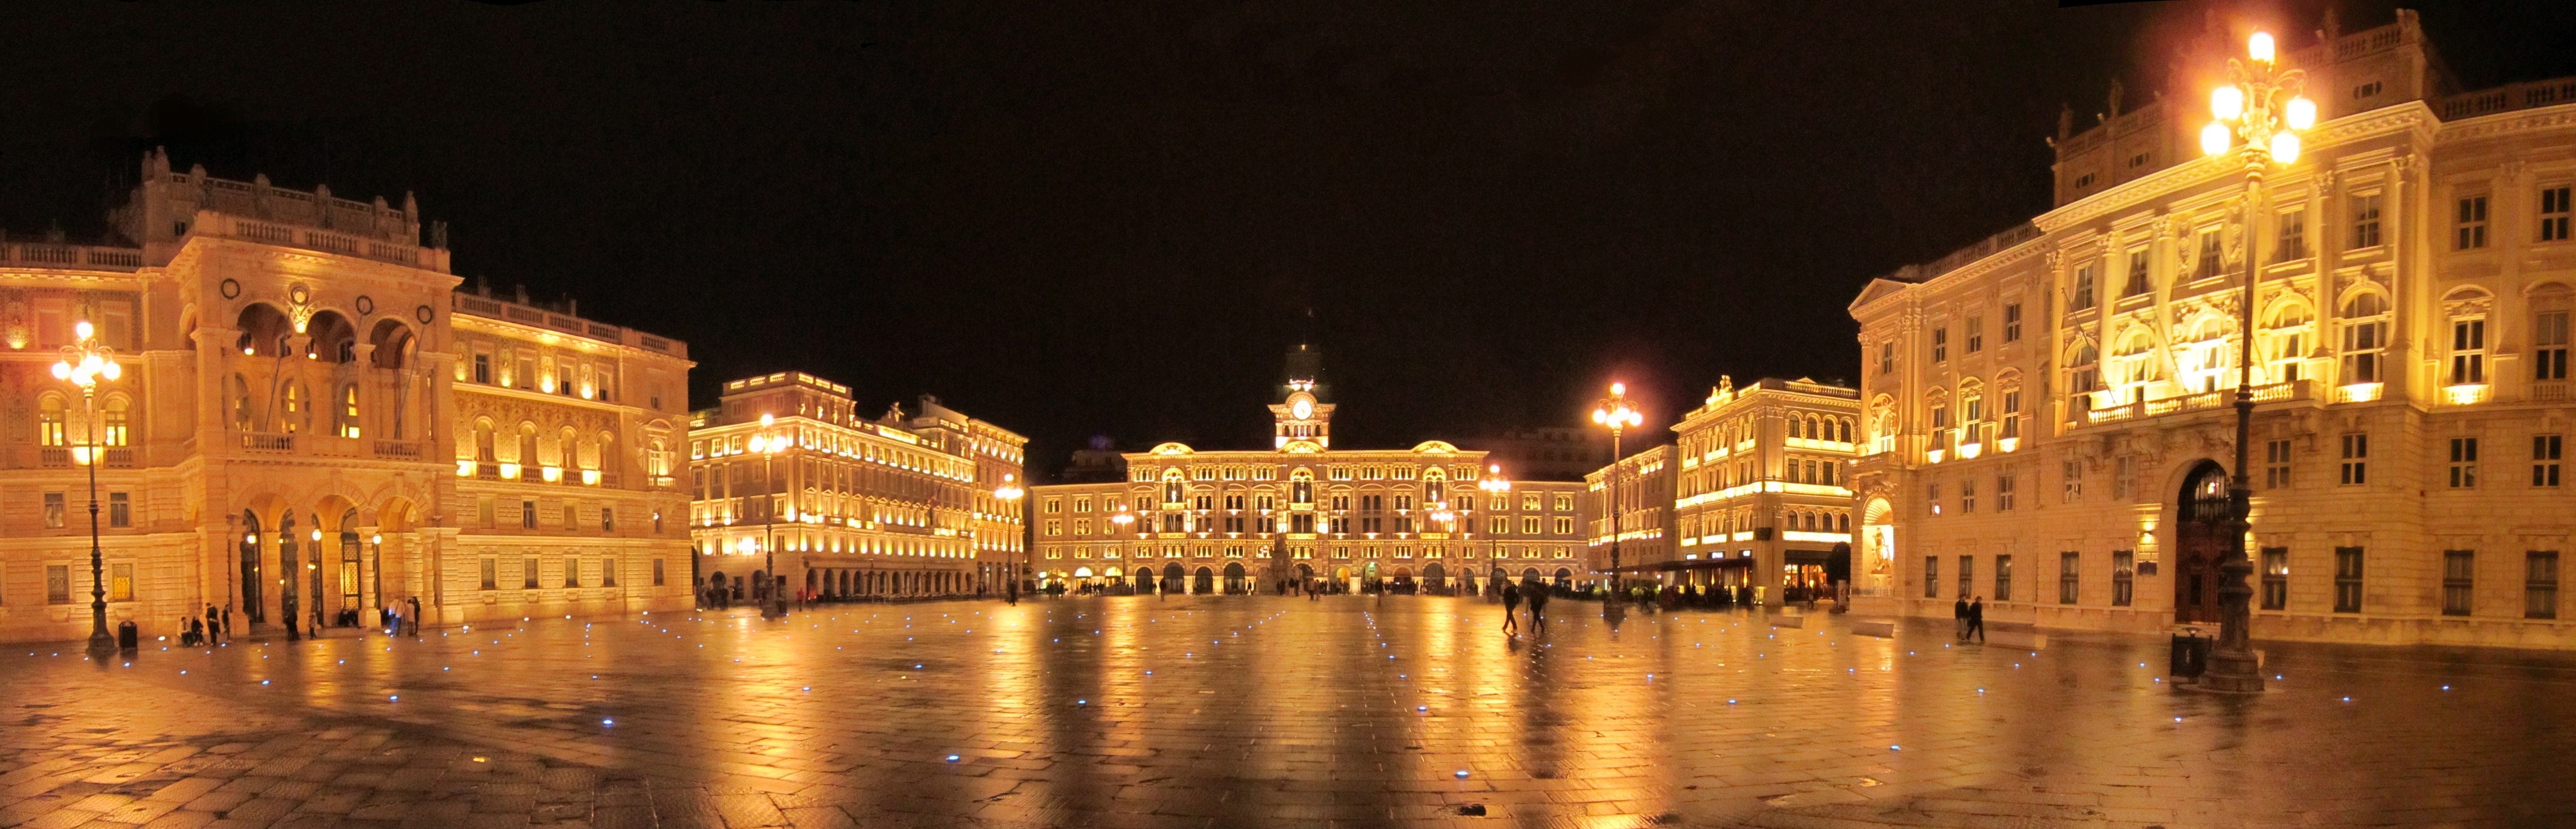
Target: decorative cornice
{"points": [[2540, 118]]}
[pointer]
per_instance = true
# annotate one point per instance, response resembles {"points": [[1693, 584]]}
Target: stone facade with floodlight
{"points": [[2048, 414]]}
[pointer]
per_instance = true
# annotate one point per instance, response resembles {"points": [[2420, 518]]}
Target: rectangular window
{"points": [[657, 572], [2464, 463], [2138, 282], [1887, 357], [1931, 577], [2544, 459], [2210, 255], [483, 369], [607, 519], [2083, 298], [2471, 232], [1932, 497], [1940, 344], [2123, 469], [2012, 322], [2003, 578], [2365, 222], [608, 572], [1967, 496], [2276, 464], [58, 584], [2292, 243], [2072, 472], [572, 517], [2468, 351], [2069, 569], [483, 508], [1564, 525], [54, 510], [120, 510], [2549, 346], [527, 515], [2347, 580], [528, 573], [2124, 572], [2459, 579], [1976, 334], [2276, 578], [2004, 493], [491, 574], [1529, 526], [2553, 213], [2540, 584], [571, 572], [1967, 575], [120, 582], [2356, 459]]}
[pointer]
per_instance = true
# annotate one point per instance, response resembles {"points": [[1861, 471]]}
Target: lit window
{"points": [[2471, 230], [2365, 222]]}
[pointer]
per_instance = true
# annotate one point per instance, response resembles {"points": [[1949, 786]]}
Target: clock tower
{"points": [[1301, 421]]}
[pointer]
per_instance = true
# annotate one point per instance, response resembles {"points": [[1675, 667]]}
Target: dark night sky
{"points": [[1107, 218]]}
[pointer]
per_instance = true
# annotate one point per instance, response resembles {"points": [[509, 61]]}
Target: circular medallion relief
{"points": [[366, 305], [423, 314], [299, 294], [230, 289]]}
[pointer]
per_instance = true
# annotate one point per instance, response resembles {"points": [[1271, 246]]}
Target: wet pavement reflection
{"points": [[1261, 711]]}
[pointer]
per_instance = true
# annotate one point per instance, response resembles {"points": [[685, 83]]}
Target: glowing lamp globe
{"points": [[2214, 139], [2260, 46], [2226, 102], [2302, 113]]}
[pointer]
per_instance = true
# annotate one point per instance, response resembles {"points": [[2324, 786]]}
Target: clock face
{"points": [[1302, 408]]}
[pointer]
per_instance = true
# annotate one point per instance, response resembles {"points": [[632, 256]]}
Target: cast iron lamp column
{"points": [[88, 365], [768, 446], [1614, 412], [2262, 103]]}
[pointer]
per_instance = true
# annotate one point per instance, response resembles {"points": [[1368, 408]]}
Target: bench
{"points": [[1882, 629], [1788, 621]]}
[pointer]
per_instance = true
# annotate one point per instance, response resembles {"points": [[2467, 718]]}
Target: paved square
{"points": [[1262, 711]]}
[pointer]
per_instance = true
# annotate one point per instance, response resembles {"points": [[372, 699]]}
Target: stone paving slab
{"points": [[1255, 711]]}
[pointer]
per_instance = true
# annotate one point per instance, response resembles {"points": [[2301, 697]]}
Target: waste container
{"points": [[2190, 656], [127, 638]]}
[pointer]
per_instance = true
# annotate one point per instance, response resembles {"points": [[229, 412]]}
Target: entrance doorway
{"points": [[2200, 543]]}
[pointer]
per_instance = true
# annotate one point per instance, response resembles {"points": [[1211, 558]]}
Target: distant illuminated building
{"points": [[898, 506], [1753, 492], [1237, 521]]}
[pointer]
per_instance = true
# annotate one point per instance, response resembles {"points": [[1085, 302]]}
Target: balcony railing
{"points": [[2194, 402]]}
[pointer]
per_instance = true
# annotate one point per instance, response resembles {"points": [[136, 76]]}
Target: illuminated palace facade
{"points": [[1432, 518], [313, 423], [897, 507], [2048, 416], [1755, 491]]}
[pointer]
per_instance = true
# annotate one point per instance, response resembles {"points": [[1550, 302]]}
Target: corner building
{"points": [[1761, 489], [903, 506], [2049, 417], [1301, 511], [313, 424]]}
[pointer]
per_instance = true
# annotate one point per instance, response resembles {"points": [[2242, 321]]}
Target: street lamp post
{"points": [[1494, 485], [88, 365], [768, 445], [1614, 412], [1010, 493], [2260, 104], [1122, 519]]}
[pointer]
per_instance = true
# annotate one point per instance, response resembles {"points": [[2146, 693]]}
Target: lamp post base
{"points": [[2232, 672], [101, 644], [773, 609]]}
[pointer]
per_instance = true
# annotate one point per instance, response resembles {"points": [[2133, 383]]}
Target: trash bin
{"points": [[127, 638], [2190, 656]]}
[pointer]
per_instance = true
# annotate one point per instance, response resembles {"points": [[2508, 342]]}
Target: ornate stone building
{"points": [[313, 423], [2048, 418], [900, 506], [1758, 482], [1195, 521]]}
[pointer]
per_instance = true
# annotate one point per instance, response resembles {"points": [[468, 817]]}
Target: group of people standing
{"points": [[218, 624], [1513, 594]]}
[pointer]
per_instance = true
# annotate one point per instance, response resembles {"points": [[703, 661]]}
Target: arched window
{"points": [[2365, 337], [2285, 343], [345, 415], [52, 412], [113, 419], [527, 444], [483, 442], [241, 404], [297, 408], [567, 448], [2083, 370]]}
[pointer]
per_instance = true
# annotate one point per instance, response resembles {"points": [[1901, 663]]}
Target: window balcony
{"points": [[2291, 392]]}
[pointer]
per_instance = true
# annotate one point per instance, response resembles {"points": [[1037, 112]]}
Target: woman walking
{"points": [[1511, 610]]}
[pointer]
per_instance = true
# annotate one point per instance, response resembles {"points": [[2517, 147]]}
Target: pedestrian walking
{"points": [[1959, 614], [1014, 594], [1538, 610], [210, 621], [1511, 610], [228, 621], [415, 617], [1977, 619]]}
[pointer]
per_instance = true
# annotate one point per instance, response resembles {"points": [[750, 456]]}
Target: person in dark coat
{"points": [[1959, 614], [212, 623], [1511, 609], [415, 617], [1538, 610], [1977, 619]]}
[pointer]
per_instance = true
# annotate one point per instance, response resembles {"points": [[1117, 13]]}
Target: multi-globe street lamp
{"points": [[767, 445], [87, 365], [2260, 105], [1614, 412]]}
